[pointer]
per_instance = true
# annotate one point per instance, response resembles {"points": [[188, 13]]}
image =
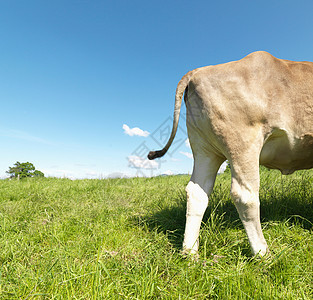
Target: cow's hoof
{"points": [[190, 254], [262, 255]]}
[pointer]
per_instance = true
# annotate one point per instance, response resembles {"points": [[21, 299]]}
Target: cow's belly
{"points": [[286, 153]]}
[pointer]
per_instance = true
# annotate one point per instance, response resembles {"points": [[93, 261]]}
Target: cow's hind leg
{"points": [[198, 189], [245, 194]]}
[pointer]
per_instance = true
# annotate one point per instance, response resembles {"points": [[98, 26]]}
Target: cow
{"points": [[251, 112]]}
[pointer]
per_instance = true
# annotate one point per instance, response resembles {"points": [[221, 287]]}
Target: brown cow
{"points": [[258, 110]]}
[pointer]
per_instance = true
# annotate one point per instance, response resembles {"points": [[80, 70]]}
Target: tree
{"points": [[22, 170], [228, 168], [38, 173]]}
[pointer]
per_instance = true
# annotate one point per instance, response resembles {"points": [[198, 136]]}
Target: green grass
{"points": [[121, 239]]}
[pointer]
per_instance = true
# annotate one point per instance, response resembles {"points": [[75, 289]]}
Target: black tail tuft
{"points": [[155, 154]]}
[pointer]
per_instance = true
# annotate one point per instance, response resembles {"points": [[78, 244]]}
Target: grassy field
{"points": [[121, 239]]}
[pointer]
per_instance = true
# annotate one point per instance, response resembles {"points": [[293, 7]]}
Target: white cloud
{"points": [[91, 174], [71, 173], [222, 167], [168, 172], [60, 173], [187, 143], [174, 159], [142, 163], [135, 131], [117, 175], [188, 154]]}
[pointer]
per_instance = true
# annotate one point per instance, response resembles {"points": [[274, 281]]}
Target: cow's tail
{"points": [[178, 100]]}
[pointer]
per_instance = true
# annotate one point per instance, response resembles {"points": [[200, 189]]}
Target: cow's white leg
{"points": [[198, 189], [245, 194]]}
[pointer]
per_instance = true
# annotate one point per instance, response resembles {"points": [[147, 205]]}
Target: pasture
{"points": [[121, 239]]}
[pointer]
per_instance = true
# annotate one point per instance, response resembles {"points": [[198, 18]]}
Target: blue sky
{"points": [[76, 77]]}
